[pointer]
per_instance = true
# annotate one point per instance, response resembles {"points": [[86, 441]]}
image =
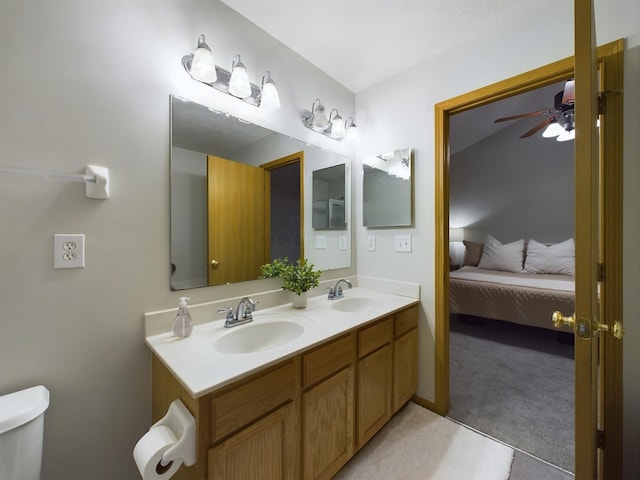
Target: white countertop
{"points": [[201, 369]]}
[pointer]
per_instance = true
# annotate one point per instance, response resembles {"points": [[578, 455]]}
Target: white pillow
{"points": [[496, 256], [558, 259]]}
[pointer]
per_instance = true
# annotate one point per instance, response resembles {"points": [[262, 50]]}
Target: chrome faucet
{"points": [[243, 313], [336, 291]]}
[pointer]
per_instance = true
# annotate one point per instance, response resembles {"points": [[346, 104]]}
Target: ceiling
{"points": [[362, 42]]}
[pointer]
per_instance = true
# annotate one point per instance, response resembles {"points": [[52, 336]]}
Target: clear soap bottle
{"points": [[183, 325]]}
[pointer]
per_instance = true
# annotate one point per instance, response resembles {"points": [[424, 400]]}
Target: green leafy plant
{"points": [[297, 278]]}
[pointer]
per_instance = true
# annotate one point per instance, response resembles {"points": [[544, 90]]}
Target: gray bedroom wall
{"points": [[513, 188]]}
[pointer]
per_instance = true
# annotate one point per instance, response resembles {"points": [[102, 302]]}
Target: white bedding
{"points": [[524, 279]]}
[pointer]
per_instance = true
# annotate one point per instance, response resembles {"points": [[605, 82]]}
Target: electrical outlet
{"points": [[371, 243], [321, 242], [403, 243], [68, 250]]}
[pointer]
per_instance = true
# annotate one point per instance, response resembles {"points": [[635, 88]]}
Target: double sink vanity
{"points": [[296, 392]]}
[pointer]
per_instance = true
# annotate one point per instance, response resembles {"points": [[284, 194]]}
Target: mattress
{"points": [[523, 298]]}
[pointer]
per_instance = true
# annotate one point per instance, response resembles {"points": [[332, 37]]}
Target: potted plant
{"points": [[297, 278]]}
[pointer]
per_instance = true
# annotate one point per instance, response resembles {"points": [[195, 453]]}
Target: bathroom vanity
{"points": [[297, 410]]}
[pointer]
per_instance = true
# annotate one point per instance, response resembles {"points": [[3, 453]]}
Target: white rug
{"points": [[418, 444]]}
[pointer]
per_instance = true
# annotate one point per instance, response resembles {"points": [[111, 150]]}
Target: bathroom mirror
{"points": [[213, 240], [329, 198], [387, 189]]}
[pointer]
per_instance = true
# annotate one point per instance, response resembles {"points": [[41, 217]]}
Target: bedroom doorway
{"points": [[506, 359], [610, 63]]}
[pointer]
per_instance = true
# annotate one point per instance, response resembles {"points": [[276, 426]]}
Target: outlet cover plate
{"points": [[403, 243], [68, 250]]}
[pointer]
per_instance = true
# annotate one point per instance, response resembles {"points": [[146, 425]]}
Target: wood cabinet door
{"points": [[265, 450], [374, 393], [405, 368], [328, 425]]}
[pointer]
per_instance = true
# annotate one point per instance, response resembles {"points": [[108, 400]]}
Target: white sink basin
{"points": [[357, 304], [258, 336]]}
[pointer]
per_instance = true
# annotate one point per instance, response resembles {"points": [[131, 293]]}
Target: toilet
{"points": [[21, 433]]}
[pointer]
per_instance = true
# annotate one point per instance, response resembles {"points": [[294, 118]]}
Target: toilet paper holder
{"points": [[183, 425]]}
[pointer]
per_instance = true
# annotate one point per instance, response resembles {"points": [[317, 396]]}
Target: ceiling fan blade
{"points": [[539, 126], [569, 95], [526, 115]]}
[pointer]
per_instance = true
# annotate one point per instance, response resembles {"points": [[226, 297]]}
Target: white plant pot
{"points": [[299, 301]]}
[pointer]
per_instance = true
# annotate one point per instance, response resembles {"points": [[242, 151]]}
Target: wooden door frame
{"points": [[610, 59], [297, 157]]}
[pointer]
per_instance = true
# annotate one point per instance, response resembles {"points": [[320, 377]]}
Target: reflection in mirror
{"points": [[238, 198], [328, 198], [387, 189]]}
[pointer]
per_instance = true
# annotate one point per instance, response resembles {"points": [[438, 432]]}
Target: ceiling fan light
{"points": [[566, 136], [553, 130]]}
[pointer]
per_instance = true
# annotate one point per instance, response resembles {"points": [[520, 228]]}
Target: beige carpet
{"points": [[418, 444]]}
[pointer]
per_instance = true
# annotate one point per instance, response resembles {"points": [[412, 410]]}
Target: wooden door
{"points": [[238, 235], [597, 382]]}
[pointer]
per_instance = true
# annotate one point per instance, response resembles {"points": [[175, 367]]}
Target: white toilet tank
{"points": [[21, 433]]}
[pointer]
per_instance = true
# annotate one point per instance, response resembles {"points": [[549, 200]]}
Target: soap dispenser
{"points": [[183, 325]]}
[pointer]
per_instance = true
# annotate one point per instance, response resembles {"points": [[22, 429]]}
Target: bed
{"points": [[526, 295]]}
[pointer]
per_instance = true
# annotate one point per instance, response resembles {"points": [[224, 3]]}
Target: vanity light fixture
{"points": [[332, 126], [201, 67]]}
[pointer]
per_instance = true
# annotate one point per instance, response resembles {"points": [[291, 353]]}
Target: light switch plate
{"points": [[321, 242], [342, 242], [371, 243], [68, 250]]}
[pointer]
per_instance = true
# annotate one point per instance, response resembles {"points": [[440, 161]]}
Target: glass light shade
{"points": [[269, 97], [553, 130], [337, 128], [320, 119], [203, 68], [353, 136], [239, 85], [565, 136]]}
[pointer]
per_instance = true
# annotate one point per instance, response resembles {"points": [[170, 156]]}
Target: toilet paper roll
{"points": [[149, 450]]}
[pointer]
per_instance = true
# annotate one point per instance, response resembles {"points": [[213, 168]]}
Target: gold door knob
{"points": [[616, 329], [214, 263], [559, 320]]}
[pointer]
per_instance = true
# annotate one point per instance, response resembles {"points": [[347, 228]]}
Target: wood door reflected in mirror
{"points": [[387, 189], [208, 204]]}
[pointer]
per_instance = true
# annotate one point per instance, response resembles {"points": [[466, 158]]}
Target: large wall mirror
{"points": [[387, 189], [242, 195]]}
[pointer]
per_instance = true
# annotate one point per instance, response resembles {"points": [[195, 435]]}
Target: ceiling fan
{"points": [[560, 121]]}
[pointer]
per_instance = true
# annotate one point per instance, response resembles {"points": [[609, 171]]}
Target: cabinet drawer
{"points": [[243, 404], [405, 320], [373, 337], [328, 359]]}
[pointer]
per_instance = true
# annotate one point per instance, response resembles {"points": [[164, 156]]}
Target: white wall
{"points": [[399, 112], [88, 82], [512, 188]]}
